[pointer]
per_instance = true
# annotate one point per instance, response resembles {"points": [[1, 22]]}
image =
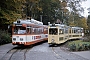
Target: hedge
{"points": [[79, 45], [4, 37]]}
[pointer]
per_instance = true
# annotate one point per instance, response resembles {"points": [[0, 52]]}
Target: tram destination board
{"points": [[18, 24]]}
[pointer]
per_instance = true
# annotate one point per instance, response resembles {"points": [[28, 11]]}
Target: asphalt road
{"points": [[38, 52]]}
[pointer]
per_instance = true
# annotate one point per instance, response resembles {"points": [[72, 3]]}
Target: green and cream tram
{"points": [[59, 33]]}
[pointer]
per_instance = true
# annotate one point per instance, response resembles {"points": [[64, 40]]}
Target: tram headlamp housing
{"points": [[52, 40], [18, 21], [21, 39], [14, 39]]}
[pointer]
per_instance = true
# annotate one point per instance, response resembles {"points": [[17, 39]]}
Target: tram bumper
{"points": [[19, 39]]}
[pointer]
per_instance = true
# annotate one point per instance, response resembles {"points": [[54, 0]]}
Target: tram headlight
{"points": [[21, 39], [52, 40], [14, 39], [18, 21]]}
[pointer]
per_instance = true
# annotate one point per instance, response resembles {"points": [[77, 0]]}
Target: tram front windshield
{"points": [[53, 31], [19, 30]]}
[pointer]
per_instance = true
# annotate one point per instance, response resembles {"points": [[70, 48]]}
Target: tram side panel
{"points": [[75, 33], [38, 36], [63, 35]]}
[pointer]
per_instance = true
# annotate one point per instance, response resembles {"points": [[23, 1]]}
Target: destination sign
{"points": [[18, 24]]}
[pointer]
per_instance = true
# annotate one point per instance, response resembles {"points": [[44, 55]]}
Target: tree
{"points": [[71, 15], [64, 11], [88, 19], [50, 10], [83, 23], [88, 22], [10, 10]]}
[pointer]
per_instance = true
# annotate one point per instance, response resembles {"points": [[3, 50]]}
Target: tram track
{"points": [[58, 56], [13, 54], [13, 51], [9, 54], [26, 50], [61, 54], [41, 50]]}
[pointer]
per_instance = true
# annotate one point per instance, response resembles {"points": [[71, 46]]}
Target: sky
{"points": [[86, 5]]}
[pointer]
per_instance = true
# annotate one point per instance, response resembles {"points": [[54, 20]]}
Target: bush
{"points": [[72, 47], [86, 46], [86, 39], [79, 46], [4, 37]]}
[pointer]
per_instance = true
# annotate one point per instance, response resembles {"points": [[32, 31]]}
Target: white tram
{"points": [[59, 33], [27, 32]]}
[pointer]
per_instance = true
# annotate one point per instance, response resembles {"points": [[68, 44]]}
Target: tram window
{"points": [[29, 30], [19, 30], [70, 30], [38, 30], [33, 30], [81, 30], [76, 30], [66, 30], [61, 31], [53, 31]]}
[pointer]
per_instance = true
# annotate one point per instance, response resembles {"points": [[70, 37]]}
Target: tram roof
{"points": [[27, 21], [57, 25], [60, 25], [63, 26], [77, 28]]}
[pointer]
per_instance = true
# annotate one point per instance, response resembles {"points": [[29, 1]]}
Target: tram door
{"points": [[52, 35]]}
